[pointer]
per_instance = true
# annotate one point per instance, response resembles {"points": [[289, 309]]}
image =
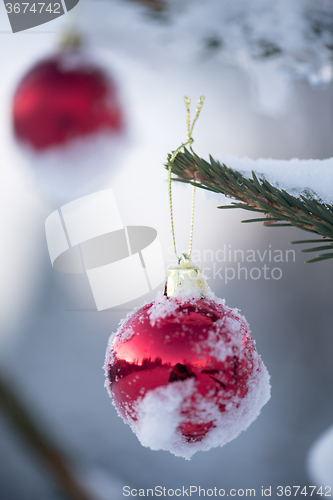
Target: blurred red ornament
{"points": [[190, 360], [63, 98]]}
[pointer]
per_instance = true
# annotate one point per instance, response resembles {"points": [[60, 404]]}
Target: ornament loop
{"points": [[184, 259]]}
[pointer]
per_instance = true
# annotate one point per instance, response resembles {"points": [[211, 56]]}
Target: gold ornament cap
{"points": [[70, 39], [185, 278]]}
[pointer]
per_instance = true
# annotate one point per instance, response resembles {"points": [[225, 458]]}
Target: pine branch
{"points": [[258, 195]]}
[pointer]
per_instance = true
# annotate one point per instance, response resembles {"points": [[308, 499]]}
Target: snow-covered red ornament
{"points": [[68, 120], [183, 371]]}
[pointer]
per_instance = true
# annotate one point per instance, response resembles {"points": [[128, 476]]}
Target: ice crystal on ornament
{"points": [[184, 373]]}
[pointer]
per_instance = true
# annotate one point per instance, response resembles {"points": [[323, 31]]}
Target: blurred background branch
{"points": [[29, 428]]}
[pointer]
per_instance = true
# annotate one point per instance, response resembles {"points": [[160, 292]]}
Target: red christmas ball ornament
{"points": [[183, 371], [63, 98], [68, 123]]}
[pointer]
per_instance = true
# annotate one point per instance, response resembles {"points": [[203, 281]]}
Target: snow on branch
{"points": [[273, 41]]}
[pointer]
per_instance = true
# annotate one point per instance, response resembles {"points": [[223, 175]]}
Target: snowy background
{"points": [[53, 343]]}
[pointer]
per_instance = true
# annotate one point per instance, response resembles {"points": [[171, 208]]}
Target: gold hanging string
{"points": [[172, 159]]}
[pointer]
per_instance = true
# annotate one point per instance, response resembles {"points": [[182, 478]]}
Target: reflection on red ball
{"points": [[63, 98], [166, 343]]}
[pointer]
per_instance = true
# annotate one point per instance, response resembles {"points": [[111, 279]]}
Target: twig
{"points": [[26, 425]]}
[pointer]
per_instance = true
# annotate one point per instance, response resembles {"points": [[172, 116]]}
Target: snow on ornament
{"points": [[67, 118], [183, 371]]}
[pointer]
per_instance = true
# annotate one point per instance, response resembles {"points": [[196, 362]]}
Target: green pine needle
{"points": [[319, 258], [309, 241]]}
